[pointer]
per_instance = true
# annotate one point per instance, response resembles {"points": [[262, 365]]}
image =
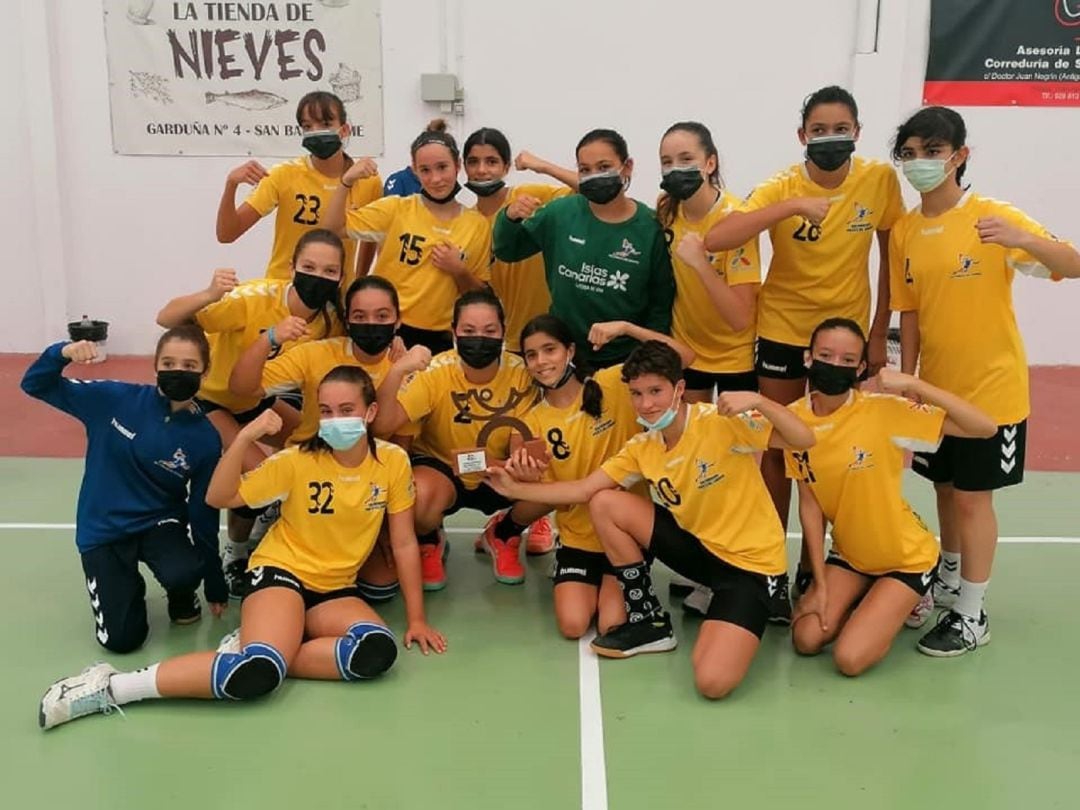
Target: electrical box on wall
{"points": [[438, 87]]}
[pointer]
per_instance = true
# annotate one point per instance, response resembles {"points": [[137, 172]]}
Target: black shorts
{"points": [[740, 597], [268, 576], [977, 465], [779, 361], [435, 340], [578, 565], [482, 499], [920, 583], [709, 380], [208, 407]]}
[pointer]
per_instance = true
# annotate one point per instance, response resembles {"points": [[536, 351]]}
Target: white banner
{"points": [[224, 78]]}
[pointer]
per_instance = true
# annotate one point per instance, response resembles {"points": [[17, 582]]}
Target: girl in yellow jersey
{"points": [[236, 315], [300, 189], [584, 419], [711, 519], [953, 262], [821, 215], [303, 616], [451, 398], [883, 557], [432, 248], [372, 317], [707, 285], [521, 286]]}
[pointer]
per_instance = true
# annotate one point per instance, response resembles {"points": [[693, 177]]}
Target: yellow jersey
{"points": [[820, 272], [711, 484], [406, 232], [300, 193], [694, 320], [450, 411], [235, 322], [522, 286], [578, 444], [969, 342], [330, 514], [855, 471], [303, 368]]}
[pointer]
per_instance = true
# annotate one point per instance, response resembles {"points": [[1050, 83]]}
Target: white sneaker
{"points": [[945, 596], [698, 600], [230, 643], [921, 612], [79, 695]]}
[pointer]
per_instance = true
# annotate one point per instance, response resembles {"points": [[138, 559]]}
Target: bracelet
{"points": [[273, 339]]}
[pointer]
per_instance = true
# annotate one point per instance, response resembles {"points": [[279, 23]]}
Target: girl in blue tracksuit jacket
{"points": [[150, 454]]}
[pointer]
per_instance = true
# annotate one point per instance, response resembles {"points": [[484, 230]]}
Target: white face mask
{"points": [[926, 174]]}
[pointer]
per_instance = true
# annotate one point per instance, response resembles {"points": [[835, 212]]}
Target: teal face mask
{"points": [[343, 432], [665, 419], [925, 174]]}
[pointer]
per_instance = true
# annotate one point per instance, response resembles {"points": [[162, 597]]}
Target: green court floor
{"points": [[497, 721]]}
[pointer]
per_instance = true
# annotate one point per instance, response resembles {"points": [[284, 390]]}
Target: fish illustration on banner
{"points": [[224, 77]]}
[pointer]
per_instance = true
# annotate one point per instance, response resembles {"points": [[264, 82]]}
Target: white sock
{"points": [[972, 596], [236, 551], [949, 570], [128, 687]]}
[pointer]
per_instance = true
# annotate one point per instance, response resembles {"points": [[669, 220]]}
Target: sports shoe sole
{"points": [[954, 653], [185, 620], [662, 645], [505, 580], [438, 586]]}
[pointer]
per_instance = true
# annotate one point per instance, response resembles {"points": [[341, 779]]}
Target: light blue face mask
{"points": [[925, 174], [343, 432], [665, 420]]}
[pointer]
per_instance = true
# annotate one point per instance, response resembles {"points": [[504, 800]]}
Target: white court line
{"points": [[456, 530], [593, 767]]}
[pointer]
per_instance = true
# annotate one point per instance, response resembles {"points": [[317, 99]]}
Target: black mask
{"points": [[831, 152], [314, 291], [323, 144], [453, 193], [372, 338], [477, 351], [829, 379], [681, 182], [563, 380], [601, 188], [485, 188], [179, 385]]}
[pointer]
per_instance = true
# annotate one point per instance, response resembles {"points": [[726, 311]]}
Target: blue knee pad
{"points": [[367, 651], [255, 671], [377, 593]]}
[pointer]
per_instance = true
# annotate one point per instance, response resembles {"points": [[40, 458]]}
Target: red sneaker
{"points": [[541, 539], [432, 568], [505, 554]]}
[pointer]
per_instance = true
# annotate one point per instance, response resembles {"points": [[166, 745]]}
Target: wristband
{"points": [[273, 339]]}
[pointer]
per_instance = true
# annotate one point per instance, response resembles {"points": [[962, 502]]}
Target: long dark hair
{"points": [[362, 380], [667, 206], [321, 236], [592, 395]]}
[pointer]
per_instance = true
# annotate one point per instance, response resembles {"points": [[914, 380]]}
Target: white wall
{"points": [[112, 236]]}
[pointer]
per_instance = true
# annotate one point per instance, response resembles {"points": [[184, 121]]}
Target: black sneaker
{"points": [[779, 600], [184, 607], [653, 635], [236, 577], [955, 634]]}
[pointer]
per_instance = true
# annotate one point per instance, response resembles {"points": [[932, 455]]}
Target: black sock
{"points": [[506, 528], [429, 538], [638, 594]]}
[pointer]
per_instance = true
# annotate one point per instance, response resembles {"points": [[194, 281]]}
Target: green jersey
{"points": [[596, 271]]}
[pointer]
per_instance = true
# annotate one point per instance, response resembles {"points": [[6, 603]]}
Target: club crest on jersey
{"points": [[376, 498], [739, 259], [861, 221], [705, 477], [863, 459], [966, 267], [617, 281], [753, 420], [177, 465], [627, 253]]}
